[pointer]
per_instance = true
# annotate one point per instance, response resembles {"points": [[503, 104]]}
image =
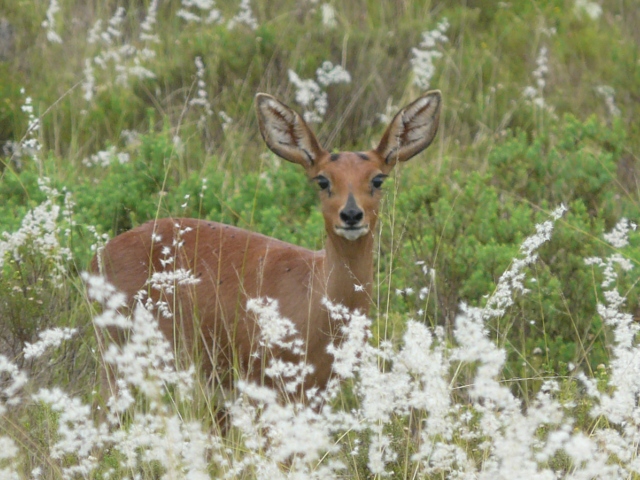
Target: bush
{"points": [[151, 116]]}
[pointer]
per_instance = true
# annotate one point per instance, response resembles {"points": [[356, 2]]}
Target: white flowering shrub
{"points": [[426, 53], [310, 93], [115, 60], [428, 388], [328, 13], [198, 11], [104, 158], [41, 234], [535, 94], [506, 440], [201, 98], [492, 436], [244, 17], [410, 405], [608, 95], [152, 436], [30, 144], [34, 261], [618, 405], [586, 7], [50, 23], [205, 12], [52, 337]]}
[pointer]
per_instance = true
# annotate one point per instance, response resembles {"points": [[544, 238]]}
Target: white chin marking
{"points": [[352, 234]]}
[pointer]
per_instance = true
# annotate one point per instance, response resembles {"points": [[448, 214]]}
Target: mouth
{"points": [[352, 233]]}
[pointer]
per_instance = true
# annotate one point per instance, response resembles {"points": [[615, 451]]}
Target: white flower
{"points": [[48, 338], [310, 94], [244, 16], [529, 92], [328, 15], [306, 90], [39, 232], [50, 22], [118, 60], [618, 237], [534, 95], [592, 9], [104, 158], [329, 74], [424, 56], [608, 93]]}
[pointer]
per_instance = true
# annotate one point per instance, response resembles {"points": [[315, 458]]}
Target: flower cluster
{"points": [[415, 381], [310, 93], [144, 368], [592, 9], [115, 57], [30, 144], [535, 94], [424, 56], [244, 17], [40, 234], [50, 22], [620, 407], [104, 158], [205, 12], [202, 98], [277, 431], [12, 380], [48, 338], [199, 11], [608, 94], [328, 15]]}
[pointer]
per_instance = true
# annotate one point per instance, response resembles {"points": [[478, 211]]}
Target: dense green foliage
{"points": [[499, 164], [453, 218]]}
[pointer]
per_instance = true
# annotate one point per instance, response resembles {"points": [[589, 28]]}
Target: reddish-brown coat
{"points": [[233, 265]]}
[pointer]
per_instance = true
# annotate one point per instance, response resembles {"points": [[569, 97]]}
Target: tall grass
{"points": [[502, 342]]}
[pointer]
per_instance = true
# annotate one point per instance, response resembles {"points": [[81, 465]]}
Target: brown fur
{"points": [[234, 265]]}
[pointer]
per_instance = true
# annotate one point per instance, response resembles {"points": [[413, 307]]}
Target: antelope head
{"points": [[350, 183]]}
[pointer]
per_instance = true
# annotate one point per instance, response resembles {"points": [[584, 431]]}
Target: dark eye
{"points": [[378, 181], [323, 182]]}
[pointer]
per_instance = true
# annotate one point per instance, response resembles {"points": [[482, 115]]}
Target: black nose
{"points": [[351, 213], [351, 216]]}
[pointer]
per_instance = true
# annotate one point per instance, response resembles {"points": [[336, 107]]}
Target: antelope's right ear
{"points": [[286, 133]]}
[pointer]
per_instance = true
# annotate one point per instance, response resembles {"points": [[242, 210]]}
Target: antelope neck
{"points": [[349, 271]]}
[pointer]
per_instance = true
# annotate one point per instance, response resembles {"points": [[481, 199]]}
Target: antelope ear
{"points": [[285, 132], [412, 129]]}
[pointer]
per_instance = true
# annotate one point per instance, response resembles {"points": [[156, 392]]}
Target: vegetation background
{"points": [[133, 110]]}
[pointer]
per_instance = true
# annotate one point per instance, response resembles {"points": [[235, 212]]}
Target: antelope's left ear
{"points": [[412, 129]]}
